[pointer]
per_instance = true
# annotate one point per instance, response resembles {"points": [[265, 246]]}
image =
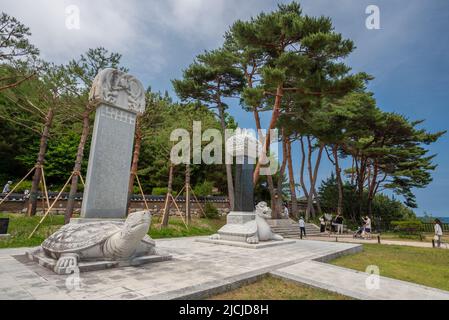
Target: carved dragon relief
{"points": [[120, 89]]}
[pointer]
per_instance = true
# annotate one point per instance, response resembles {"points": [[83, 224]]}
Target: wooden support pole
{"points": [[81, 177], [51, 207], [198, 203], [45, 187], [141, 192], [180, 212]]}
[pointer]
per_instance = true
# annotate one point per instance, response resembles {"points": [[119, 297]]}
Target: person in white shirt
{"points": [[367, 226], [438, 232], [322, 225], [7, 187], [286, 211], [302, 227]]}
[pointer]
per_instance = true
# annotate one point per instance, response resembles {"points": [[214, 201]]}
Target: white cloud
{"points": [[153, 35]]}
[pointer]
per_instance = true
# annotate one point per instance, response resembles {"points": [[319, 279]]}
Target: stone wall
{"points": [[17, 204]]}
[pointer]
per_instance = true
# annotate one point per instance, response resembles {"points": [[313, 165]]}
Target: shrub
{"points": [[203, 189], [407, 226], [25, 185], [159, 191], [211, 211]]}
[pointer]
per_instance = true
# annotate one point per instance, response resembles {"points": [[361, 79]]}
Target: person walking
{"points": [[322, 224], [302, 227], [438, 232], [339, 224], [367, 227], [7, 187], [286, 213]]}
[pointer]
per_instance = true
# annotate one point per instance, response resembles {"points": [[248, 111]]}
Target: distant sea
{"points": [[442, 219]]}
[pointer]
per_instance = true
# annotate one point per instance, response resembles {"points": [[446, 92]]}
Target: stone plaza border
{"points": [[38, 256], [260, 245], [198, 270], [210, 289]]}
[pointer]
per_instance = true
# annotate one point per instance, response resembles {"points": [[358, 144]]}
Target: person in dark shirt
{"points": [[339, 223]]}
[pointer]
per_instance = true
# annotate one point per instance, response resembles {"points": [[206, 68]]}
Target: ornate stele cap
{"points": [[243, 143], [119, 89]]}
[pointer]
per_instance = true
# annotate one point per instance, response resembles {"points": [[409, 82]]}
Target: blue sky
{"points": [[409, 55]]}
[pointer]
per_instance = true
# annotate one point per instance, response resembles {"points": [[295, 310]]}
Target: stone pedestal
{"points": [[239, 226], [244, 225]]}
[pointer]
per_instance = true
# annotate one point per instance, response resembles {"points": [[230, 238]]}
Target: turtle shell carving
{"points": [[75, 237]]}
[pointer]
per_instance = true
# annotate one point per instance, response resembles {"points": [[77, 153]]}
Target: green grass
{"points": [[425, 237], [177, 228], [270, 288], [20, 227], [426, 266]]}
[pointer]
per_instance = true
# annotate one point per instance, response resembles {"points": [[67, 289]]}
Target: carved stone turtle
{"points": [[102, 240]]}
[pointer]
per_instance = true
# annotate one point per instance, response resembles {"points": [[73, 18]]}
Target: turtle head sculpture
{"points": [[99, 241], [136, 226]]}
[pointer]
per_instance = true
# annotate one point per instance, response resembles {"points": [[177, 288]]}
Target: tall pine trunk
{"points": [[372, 188], [269, 176], [314, 176], [277, 208], [32, 205], [274, 119], [291, 179], [77, 167], [229, 178], [168, 197], [302, 171], [188, 213], [135, 161], [339, 180]]}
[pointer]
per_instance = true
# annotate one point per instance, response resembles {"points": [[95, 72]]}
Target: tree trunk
{"points": [[168, 197], [32, 205], [313, 182], [261, 138], [311, 194], [135, 161], [291, 179], [77, 168], [301, 177], [277, 207], [188, 215], [372, 188], [274, 119], [318, 203], [229, 179], [361, 173], [339, 180]]}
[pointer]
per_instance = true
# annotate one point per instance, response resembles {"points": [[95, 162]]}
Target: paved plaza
{"points": [[199, 270]]}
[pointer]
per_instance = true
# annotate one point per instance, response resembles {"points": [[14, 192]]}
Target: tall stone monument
{"points": [[119, 98], [244, 224]]}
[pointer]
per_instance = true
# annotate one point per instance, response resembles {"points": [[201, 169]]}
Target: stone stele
{"points": [[119, 98], [243, 223]]}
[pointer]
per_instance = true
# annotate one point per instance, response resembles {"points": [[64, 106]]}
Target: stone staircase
{"points": [[290, 229]]}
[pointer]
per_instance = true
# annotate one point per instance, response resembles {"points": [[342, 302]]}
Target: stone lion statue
{"points": [[263, 210], [264, 233]]}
